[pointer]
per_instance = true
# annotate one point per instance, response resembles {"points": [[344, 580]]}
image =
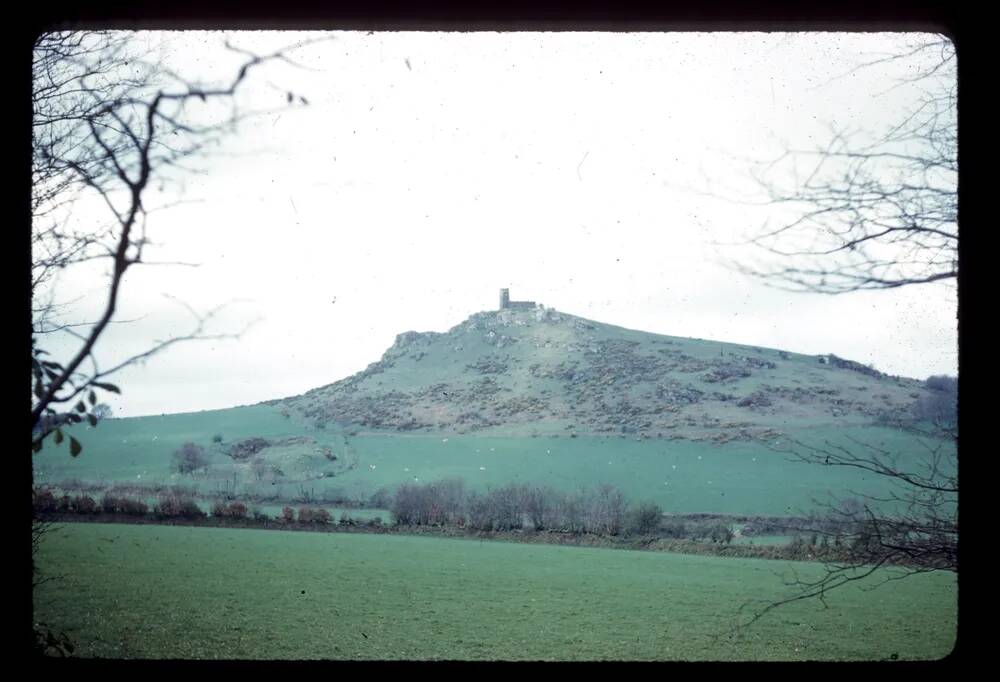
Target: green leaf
{"points": [[36, 446], [74, 446], [92, 419], [53, 365], [106, 387], [80, 407], [58, 436], [92, 397], [39, 390]]}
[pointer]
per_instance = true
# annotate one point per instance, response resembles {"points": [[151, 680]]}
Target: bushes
{"points": [[113, 504], [606, 511], [44, 501], [287, 515], [499, 509], [314, 515], [721, 533], [177, 506], [435, 503], [381, 499], [233, 510], [79, 504], [247, 448], [644, 519], [940, 402], [942, 382], [189, 458], [512, 507]]}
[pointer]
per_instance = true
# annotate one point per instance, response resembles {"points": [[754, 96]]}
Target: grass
{"points": [[223, 593], [681, 476]]}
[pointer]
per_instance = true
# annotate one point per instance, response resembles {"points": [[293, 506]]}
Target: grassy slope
{"points": [[218, 593], [682, 476]]}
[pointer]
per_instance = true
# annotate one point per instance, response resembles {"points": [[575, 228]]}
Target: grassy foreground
{"points": [[180, 592]]}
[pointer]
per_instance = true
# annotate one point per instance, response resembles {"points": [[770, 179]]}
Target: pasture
{"points": [[682, 476], [204, 593]]}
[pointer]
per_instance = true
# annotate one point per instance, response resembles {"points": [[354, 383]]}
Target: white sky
{"points": [[431, 169]]}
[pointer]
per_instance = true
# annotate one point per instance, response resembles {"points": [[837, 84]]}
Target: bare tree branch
{"points": [[108, 121], [877, 213]]}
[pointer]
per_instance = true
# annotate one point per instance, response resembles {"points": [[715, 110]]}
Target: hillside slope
{"points": [[545, 372], [534, 396]]}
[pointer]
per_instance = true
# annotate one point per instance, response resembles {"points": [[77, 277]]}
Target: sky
{"points": [[601, 174]]}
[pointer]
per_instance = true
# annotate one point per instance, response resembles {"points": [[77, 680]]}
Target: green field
{"points": [[682, 476], [181, 592]]}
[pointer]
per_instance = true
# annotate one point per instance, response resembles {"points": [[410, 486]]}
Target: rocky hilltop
{"points": [[541, 371]]}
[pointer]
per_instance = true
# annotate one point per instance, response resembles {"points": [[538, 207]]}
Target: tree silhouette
{"points": [[109, 122], [871, 212]]}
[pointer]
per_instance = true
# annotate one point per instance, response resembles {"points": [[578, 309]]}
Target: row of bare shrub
{"points": [[233, 510], [44, 500], [602, 510], [117, 504], [168, 505], [177, 506]]}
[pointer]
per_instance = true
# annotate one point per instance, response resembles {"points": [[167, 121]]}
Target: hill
{"points": [[535, 396], [524, 372]]}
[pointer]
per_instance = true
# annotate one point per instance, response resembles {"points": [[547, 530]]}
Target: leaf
{"points": [[75, 418], [58, 436], [92, 397], [53, 365], [106, 387], [92, 419], [74, 446], [39, 390], [36, 446], [80, 407]]}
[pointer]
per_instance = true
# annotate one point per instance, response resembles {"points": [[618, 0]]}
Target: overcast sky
{"points": [[600, 174]]}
